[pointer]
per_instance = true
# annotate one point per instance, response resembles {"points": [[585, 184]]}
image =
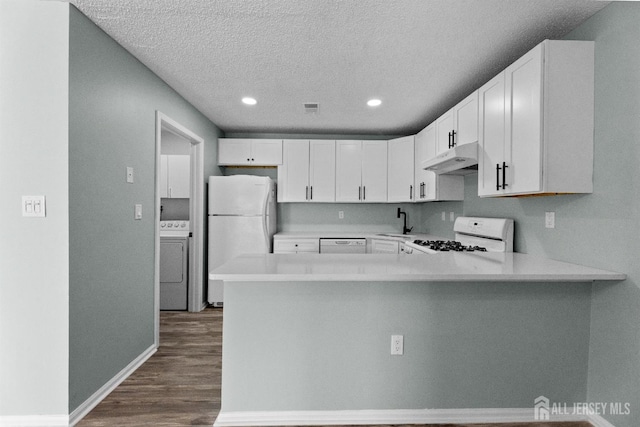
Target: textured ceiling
{"points": [[419, 56]]}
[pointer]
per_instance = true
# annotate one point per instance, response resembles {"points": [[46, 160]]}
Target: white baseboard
{"points": [[81, 411], [393, 416], [34, 421], [598, 421]]}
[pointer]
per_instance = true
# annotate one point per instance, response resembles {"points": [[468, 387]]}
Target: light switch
{"points": [[129, 175], [138, 212], [34, 206]]}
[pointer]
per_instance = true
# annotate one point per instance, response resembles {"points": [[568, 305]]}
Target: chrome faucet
{"points": [[405, 230]]}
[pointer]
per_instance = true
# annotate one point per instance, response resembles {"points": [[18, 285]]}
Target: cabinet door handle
{"points": [[453, 138], [360, 193], [498, 176], [504, 174], [449, 139], [410, 192], [306, 192], [364, 192], [311, 193]]}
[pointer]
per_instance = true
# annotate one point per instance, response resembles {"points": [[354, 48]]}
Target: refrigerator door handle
{"points": [[265, 216]]}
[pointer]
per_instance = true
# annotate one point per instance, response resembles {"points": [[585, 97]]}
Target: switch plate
{"points": [[340, 214], [444, 216], [550, 219], [34, 206], [397, 345], [138, 212], [129, 175], [452, 216]]}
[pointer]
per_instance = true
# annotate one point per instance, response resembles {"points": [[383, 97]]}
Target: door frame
{"points": [[196, 217]]}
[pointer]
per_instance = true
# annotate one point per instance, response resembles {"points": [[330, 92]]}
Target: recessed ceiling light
{"points": [[374, 102], [249, 101]]}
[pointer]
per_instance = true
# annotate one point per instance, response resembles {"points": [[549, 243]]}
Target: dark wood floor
{"points": [[180, 384]]}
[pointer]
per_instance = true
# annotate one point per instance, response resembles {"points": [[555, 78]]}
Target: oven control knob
{"points": [[163, 225]]}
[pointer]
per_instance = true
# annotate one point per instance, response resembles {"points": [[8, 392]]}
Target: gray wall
{"points": [[34, 255], [113, 100], [600, 229], [326, 345]]}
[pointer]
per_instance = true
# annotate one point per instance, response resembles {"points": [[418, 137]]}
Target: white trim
{"points": [[598, 421], [34, 421], [391, 416], [81, 411], [196, 216]]}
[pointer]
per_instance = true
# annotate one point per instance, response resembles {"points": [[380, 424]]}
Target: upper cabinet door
{"points": [[465, 116], [179, 176], [322, 171], [293, 174], [349, 171], [491, 135], [245, 152], [425, 148], [401, 159], [234, 151], [444, 132], [374, 171], [523, 151], [266, 152]]}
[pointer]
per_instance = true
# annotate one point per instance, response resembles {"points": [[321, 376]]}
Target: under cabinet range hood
{"points": [[459, 160]]}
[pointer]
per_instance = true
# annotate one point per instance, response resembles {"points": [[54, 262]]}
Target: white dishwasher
{"points": [[343, 246]]}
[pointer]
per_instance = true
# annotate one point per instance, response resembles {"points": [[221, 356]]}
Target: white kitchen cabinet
{"points": [[361, 171], [249, 152], [401, 162], [459, 125], [536, 123], [428, 186], [307, 173], [296, 246], [381, 246], [175, 176]]}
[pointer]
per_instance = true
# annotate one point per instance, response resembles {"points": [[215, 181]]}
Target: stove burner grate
{"points": [[448, 245]]}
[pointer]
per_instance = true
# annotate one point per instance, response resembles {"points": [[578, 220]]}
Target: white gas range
{"points": [[472, 234]]}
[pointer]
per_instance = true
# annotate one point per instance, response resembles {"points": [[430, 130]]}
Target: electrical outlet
{"points": [[137, 211], [397, 345], [444, 216], [452, 216], [340, 214], [550, 219]]}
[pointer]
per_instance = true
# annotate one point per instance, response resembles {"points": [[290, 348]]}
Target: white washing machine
{"points": [[174, 265]]}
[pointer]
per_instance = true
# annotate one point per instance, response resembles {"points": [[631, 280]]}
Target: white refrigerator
{"points": [[242, 220]]}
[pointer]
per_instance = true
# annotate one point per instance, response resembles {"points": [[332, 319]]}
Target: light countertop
{"points": [[379, 235], [442, 267]]}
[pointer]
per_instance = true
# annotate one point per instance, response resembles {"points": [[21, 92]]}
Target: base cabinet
{"points": [[380, 246], [296, 246], [536, 123]]}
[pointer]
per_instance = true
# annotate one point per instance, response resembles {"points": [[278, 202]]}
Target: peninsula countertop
{"points": [[441, 267]]}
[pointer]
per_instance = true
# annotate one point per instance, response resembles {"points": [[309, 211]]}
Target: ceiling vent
{"points": [[311, 107]]}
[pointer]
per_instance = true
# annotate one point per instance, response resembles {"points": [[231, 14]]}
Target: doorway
{"points": [[195, 149]]}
